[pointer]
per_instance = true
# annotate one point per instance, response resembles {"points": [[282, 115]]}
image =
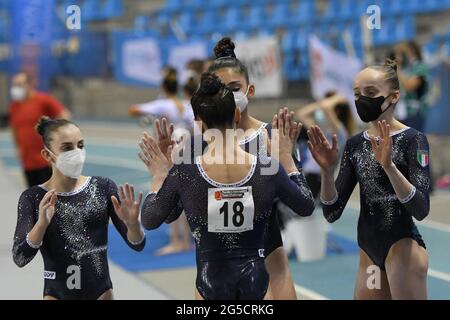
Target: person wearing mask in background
{"points": [[413, 76], [27, 107], [189, 89], [194, 69], [178, 112]]}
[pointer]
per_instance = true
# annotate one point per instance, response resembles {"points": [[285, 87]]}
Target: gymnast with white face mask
{"points": [[67, 219]]}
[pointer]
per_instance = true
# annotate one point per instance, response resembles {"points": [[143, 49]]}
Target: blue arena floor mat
{"points": [[337, 244], [133, 261], [146, 260]]}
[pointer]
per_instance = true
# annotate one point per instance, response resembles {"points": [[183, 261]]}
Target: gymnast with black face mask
{"points": [[390, 161]]}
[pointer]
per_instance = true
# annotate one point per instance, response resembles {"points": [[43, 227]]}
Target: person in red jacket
{"points": [[26, 108]]}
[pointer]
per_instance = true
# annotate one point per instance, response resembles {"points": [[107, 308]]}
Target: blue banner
{"points": [[181, 54], [31, 30], [137, 59]]}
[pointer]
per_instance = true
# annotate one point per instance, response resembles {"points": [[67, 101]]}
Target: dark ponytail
{"points": [[170, 81], [190, 86]]}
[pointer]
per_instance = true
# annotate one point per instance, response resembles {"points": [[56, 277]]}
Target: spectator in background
{"points": [[179, 112], [413, 76], [26, 108], [169, 106], [195, 68], [207, 63], [194, 71], [333, 115], [189, 89]]}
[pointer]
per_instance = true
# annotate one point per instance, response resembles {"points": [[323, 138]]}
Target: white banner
{"points": [[180, 55], [332, 70], [141, 60], [262, 58]]}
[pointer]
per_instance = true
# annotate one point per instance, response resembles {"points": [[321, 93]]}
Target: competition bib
{"points": [[230, 210]]}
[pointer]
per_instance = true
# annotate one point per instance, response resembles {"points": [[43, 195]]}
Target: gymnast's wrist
{"points": [[327, 172], [160, 176], [41, 225], [134, 225], [389, 167]]}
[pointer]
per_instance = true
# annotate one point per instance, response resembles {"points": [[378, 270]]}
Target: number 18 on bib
{"points": [[230, 210]]}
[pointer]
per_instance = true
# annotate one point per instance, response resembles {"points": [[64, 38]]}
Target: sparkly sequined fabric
{"points": [[383, 219], [185, 183], [76, 236], [256, 145]]}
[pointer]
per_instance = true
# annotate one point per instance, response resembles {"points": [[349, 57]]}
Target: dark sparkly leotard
{"points": [[384, 219], [230, 264], [75, 242], [256, 145]]}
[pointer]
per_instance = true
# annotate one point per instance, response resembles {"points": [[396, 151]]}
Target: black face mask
{"points": [[369, 109]]}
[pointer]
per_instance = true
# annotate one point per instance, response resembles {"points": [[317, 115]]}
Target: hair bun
{"points": [[225, 48], [170, 74], [42, 124], [391, 63], [210, 84]]}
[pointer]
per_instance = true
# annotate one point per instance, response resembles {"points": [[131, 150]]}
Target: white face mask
{"points": [[70, 163], [18, 93], [241, 99]]}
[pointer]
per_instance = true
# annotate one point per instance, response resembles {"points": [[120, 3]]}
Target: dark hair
{"points": [[343, 113], [226, 58], [415, 48], [170, 82], [345, 116], [196, 65], [391, 55], [190, 86], [213, 102], [330, 93], [389, 68], [46, 126]]}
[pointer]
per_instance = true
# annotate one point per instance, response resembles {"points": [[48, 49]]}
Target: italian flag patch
{"points": [[423, 157]]}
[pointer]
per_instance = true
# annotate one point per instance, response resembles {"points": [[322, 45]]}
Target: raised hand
{"points": [[128, 209], [47, 208], [164, 132], [326, 155], [383, 148], [286, 131], [157, 163]]}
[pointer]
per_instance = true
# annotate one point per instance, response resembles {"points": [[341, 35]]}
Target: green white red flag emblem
{"points": [[423, 157]]}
